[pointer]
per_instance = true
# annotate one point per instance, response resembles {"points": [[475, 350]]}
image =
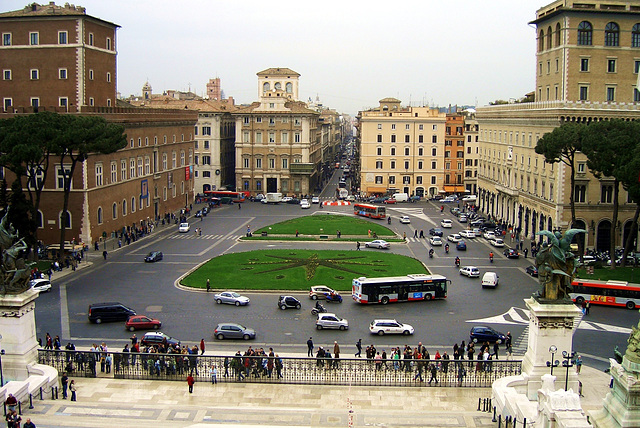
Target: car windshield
{"points": [[235, 295]]}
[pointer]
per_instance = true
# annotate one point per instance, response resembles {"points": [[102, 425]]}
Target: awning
{"points": [[451, 189], [376, 190]]}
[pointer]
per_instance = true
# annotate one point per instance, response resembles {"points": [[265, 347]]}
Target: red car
{"points": [[142, 322], [389, 201]]}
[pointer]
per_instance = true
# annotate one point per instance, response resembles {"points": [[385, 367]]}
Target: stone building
{"points": [[587, 66], [472, 152], [277, 145], [402, 149], [454, 153]]}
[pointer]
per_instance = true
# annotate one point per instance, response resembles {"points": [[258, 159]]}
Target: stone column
{"points": [[18, 330], [549, 324]]}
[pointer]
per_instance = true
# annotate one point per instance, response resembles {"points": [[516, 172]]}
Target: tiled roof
{"points": [[278, 72], [200, 105], [50, 10], [296, 107]]}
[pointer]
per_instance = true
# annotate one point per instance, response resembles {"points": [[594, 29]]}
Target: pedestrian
{"points": [[359, 348], [357, 245], [239, 206], [202, 346], [520, 245], [310, 347], [508, 342], [421, 233], [213, 372], [336, 349], [13, 419], [404, 236], [72, 388], [104, 254], [415, 233], [578, 364], [587, 307], [496, 347], [29, 424], [190, 382], [434, 373], [297, 233], [208, 285], [526, 251], [462, 372], [48, 342], [11, 402], [64, 381]]}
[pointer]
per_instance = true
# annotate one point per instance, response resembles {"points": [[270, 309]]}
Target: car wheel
{"points": [[283, 307], [384, 300], [427, 297], [298, 306], [319, 327], [220, 336], [237, 303], [631, 305], [381, 333], [580, 299], [406, 333], [366, 245], [156, 327], [98, 320], [314, 297], [219, 301], [246, 337], [343, 328], [132, 328]]}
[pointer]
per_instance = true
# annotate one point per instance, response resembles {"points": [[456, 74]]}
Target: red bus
{"points": [[609, 293], [367, 210], [235, 196]]}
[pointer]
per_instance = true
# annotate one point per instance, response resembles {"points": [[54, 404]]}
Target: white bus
{"points": [[399, 288]]}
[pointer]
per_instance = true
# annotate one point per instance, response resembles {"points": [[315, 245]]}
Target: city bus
{"points": [[399, 288], [367, 210], [235, 196], [609, 293]]}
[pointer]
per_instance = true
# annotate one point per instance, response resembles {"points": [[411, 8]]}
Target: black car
{"points": [[511, 253], [483, 334], [109, 312], [532, 270], [286, 302], [294, 201], [436, 231], [153, 256]]}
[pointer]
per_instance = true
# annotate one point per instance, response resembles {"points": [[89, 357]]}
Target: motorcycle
{"points": [[318, 309], [446, 248], [431, 253], [389, 220], [457, 262], [491, 258], [333, 298]]}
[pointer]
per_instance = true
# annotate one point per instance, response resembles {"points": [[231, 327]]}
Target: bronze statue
{"points": [[556, 267], [14, 270]]}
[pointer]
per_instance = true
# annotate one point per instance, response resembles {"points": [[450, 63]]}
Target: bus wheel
{"points": [[631, 305], [427, 297], [384, 300], [579, 300]]}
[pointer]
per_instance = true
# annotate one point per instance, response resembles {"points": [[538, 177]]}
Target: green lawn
{"points": [[327, 224], [629, 274], [299, 269]]}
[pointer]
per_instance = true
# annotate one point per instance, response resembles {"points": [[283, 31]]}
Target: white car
{"points": [[328, 320], [405, 219], [382, 327], [41, 285], [231, 298], [477, 231], [497, 242], [350, 198], [468, 234], [489, 235], [470, 271], [184, 227], [286, 199], [304, 204], [378, 243], [446, 223], [315, 200], [435, 241], [454, 238]]}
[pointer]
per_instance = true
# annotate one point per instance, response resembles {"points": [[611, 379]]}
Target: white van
{"points": [[400, 197], [470, 198], [490, 279], [273, 198]]}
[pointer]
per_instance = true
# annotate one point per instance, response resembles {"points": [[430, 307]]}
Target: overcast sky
{"points": [[349, 53]]}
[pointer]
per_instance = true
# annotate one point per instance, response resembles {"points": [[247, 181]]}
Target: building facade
{"points": [[472, 152], [514, 183], [277, 146], [401, 149], [454, 153], [56, 57]]}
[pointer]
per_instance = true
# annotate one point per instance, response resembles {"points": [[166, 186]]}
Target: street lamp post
{"points": [[553, 349], [568, 362], [1, 375]]}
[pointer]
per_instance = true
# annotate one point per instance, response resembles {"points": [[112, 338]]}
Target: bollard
{"points": [[5, 408], [30, 401], [53, 397], [499, 421], [489, 402], [19, 407], [479, 401], [494, 415], [524, 423], [56, 392], [40, 393], [515, 422]]}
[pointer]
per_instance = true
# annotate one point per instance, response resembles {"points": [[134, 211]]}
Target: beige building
{"points": [[471, 151], [578, 42], [277, 146], [401, 149]]}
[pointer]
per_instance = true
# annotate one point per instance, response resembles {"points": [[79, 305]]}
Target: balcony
{"points": [[507, 190], [302, 168]]}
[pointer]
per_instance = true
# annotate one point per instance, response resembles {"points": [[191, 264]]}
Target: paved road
{"points": [[190, 316]]}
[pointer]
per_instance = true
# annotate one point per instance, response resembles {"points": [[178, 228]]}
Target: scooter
{"points": [[389, 220], [319, 309], [431, 253], [457, 262], [491, 258], [446, 248], [333, 298]]}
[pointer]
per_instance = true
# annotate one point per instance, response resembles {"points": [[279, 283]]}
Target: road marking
{"points": [[64, 311], [416, 212]]}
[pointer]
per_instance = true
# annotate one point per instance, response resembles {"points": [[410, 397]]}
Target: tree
{"points": [[610, 146], [80, 137], [561, 145], [630, 180]]}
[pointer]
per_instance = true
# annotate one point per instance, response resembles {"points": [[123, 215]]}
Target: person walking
{"points": [[578, 364], [64, 380], [213, 372], [508, 343], [357, 245], [202, 346], [190, 382], [208, 285], [29, 424], [526, 251], [587, 307], [310, 347], [359, 348], [72, 388]]}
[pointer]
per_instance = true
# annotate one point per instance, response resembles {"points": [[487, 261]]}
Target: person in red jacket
{"points": [[190, 382], [201, 346]]}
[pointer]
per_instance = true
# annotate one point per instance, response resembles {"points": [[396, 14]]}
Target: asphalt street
{"points": [[150, 289]]}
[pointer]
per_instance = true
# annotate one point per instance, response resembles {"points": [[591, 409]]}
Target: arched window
{"points": [[541, 41], [289, 88], [266, 87], [635, 36], [114, 211], [549, 40], [99, 215], [124, 207], [65, 218], [558, 35], [612, 34], [39, 219], [133, 205], [585, 32]]}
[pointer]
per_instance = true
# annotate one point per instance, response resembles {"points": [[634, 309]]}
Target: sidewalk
{"points": [[107, 402]]}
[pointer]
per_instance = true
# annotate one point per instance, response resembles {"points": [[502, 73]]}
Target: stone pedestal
{"points": [[621, 407], [18, 330], [549, 324]]}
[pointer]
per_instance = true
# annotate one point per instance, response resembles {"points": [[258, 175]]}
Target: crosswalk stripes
{"points": [[190, 236]]}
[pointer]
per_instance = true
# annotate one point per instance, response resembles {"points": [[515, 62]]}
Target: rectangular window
{"points": [[34, 74], [379, 126], [245, 163], [108, 77], [91, 101], [393, 126], [63, 101], [406, 151], [433, 179], [606, 195], [62, 37], [60, 177], [611, 94], [393, 164], [393, 138], [379, 138], [611, 66], [419, 164], [114, 172], [406, 179], [285, 163], [636, 95], [6, 39], [419, 179], [378, 179], [34, 38], [420, 151], [636, 67], [582, 167], [206, 130], [6, 74], [62, 73], [258, 137], [108, 44], [406, 164], [206, 174], [296, 137], [206, 145], [379, 151], [245, 120], [406, 126], [35, 102], [406, 138], [90, 39], [378, 164], [433, 165], [392, 179], [434, 138], [259, 163], [123, 170], [272, 137], [584, 93], [584, 64], [580, 193], [132, 168], [90, 74], [285, 138], [393, 151], [8, 102], [245, 137]]}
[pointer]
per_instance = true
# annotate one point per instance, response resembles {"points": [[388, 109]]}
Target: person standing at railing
{"points": [[72, 388], [64, 381]]}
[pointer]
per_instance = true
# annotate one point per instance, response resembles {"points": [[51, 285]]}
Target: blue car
{"points": [[462, 246]]}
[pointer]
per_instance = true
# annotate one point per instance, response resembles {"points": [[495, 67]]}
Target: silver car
{"points": [[230, 330], [328, 320], [231, 298]]}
